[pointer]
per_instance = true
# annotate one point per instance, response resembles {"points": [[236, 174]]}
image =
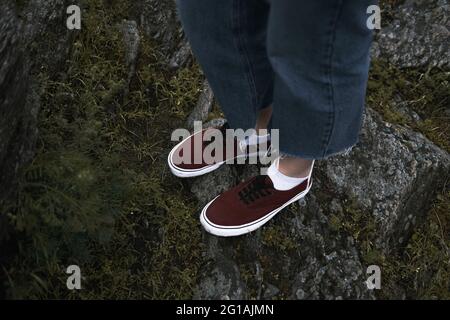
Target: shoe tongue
{"points": [[281, 181]]}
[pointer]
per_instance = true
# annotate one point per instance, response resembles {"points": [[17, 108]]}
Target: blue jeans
{"points": [[309, 59]]}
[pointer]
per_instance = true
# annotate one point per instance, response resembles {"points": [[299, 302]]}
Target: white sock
{"points": [[254, 139], [281, 181]]}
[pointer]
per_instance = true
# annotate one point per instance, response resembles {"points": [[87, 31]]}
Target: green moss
{"points": [[98, 193], [21, 4], [274, 236], [422, 271], [216, 112], [353, 221], [426, 92], [387, 13], [278, 249]]}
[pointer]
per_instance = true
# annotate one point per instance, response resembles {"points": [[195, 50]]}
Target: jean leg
{"points": [[228, 39], [319, 52]]}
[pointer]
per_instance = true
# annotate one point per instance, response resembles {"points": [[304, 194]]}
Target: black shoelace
{"points": [[257, 189]]}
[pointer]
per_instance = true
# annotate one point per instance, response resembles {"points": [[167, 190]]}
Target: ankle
{"points": [[261, 132], [263, 119], [295, 167]]}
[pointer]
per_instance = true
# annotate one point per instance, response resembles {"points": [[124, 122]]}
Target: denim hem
{"points": [[345, 151]]}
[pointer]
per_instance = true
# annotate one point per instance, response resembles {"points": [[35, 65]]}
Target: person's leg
{"points": [[263, 118], [228, 39], [319, 51]]}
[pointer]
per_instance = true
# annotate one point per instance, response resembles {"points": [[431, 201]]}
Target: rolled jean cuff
{"points": [[310, 59], [345, 151]]}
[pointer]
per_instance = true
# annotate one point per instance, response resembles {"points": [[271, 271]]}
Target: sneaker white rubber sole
{"points": [[233, 231]]}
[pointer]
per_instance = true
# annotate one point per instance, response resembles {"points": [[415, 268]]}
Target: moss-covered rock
{"points": [[98, 192]]}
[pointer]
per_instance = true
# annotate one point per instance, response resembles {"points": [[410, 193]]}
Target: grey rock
{"points": [[328, 264], [218, 122], [132, 41], [14, 114], [45, 36], [221, 279], [206, 187], [418, 35], [203, 107], [270, 291], [181, 56], [392, 173], [29, 42], [159, 20], [405, 111]]}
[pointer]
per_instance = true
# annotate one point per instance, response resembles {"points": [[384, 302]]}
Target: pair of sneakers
{"points": [[247, 206]]}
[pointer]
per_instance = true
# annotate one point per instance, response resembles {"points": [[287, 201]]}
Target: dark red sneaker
{"points": [[249, 205], [194, 164]]}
